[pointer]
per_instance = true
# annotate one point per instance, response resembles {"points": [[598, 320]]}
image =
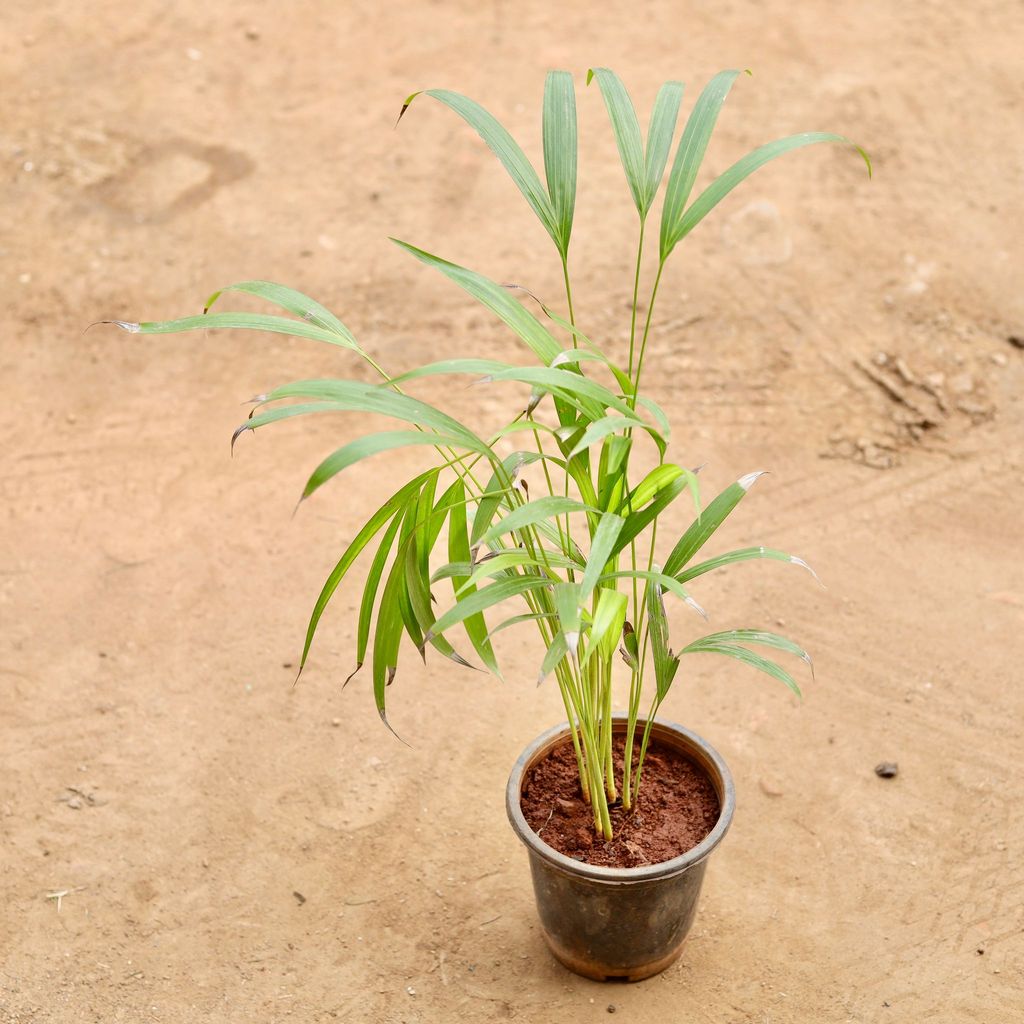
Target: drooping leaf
{"points": [[458, 550], [389, 510], [714, 645], [482, 599], [743, 168], [387, 638], [496, 299], [293, 301], [371, 585], [241, 321], [356, 396], [763, 638], [586, 394], [372, 444], [505, 148]]}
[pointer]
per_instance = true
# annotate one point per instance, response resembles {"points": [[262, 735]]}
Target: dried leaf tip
{"points": [[405, 106], [125, 325], [748, 481], [799, 561], [384, 719], [351, 674]]}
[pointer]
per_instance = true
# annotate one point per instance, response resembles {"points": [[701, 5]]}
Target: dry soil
{"points": [[187, 837]]}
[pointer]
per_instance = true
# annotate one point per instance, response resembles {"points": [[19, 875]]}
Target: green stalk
{"points": [[647, 329], [636, 293]]}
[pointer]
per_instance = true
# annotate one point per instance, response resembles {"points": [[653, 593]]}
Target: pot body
{"points": [[619, 924]]}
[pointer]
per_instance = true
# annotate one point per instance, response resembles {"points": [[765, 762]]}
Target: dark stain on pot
{"points": [[677, 808]]}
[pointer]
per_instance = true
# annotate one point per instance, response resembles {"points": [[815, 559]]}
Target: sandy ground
{"points": [[235, 849]]}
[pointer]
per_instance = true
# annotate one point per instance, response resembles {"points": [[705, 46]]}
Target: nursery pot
{"points": [[619, 924]]}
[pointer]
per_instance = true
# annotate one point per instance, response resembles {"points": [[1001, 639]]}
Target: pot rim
{"points": [[649, 872]]}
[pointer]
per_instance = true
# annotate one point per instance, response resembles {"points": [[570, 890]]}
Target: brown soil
{"points": [[852, 336], [676, 809]]}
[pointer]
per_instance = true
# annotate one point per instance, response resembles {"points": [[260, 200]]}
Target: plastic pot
{"points": [[619, 924]]}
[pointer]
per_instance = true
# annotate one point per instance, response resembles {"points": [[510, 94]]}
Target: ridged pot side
{"points": [[619, 924]]}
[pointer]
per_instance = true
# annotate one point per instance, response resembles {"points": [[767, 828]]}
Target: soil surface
{"points": [[677, 807], [184, 836]]}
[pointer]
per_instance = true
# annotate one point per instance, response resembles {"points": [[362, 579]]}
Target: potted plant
{"points": [[583, 559]]}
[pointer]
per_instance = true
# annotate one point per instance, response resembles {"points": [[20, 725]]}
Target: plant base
{"points": [[619, 924]]}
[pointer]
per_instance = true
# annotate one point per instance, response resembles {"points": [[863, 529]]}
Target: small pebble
{"points": [[611, 1007], [410, 990], [335, 722], [887, 770]]}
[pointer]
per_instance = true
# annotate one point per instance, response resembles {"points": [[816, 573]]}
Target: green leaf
{"points": [[370, 587], [483, 599], [567, 606], [762, 637], [587, 395], [295, 302], [743, 168], [644, 166], [626, 129], [476, 367], [387, 638], [371, 444], [710, 519], [559, 131], [557, 650], [496, 299], [495, 491], [370, 529], [355, 396], [241, 321], [637, 522], [690, 155], [666, 664], [515, 620], [606, 629], [537, 511], [713, 645], [608, 529], [505, 148], [600, 429], [518, 558], [664, 427], [659, 137], [669, 583], [742, 555], [458, 551]]}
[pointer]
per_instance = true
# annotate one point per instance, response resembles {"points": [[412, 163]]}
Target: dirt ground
{"points": [[231, 848]]}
